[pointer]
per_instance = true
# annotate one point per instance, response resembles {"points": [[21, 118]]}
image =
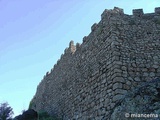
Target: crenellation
{"points": [[58, 61], [71, 44], [108, 12], [72, 47], [94, 27], [113, 59], [105, 12], [84, 39], [62, 55], [66, 50], [47, 73], [78, 46], [54, 66], [157, 10], [118, 10], [138, 12], [51, 70]]}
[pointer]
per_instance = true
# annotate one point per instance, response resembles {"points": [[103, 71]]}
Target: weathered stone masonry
{"points": [[121, 52]]}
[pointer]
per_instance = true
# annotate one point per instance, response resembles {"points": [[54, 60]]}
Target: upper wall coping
{"points": [[115, 11]]}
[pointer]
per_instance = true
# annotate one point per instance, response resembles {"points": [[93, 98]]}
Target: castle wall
{"points": [[121, 52]]}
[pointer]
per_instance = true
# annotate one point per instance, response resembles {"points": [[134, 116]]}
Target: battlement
{"points": [[71, 48], [121, 52], [138, 12], [115, 11], [157, 10], [78, 46], [93, 27], [118, 11], [84, 39], [107, 12]]}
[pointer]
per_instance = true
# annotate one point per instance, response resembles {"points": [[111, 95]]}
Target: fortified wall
{"points": [[121, 52]]}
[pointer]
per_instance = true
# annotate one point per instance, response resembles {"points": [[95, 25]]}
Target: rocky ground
{"points": [[140, 104]]}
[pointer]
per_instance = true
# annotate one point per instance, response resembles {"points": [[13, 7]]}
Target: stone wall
{"points": [[121, 52]]}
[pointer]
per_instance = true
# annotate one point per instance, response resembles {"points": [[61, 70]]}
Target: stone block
{"points": [[120, 91], [117, 97], [124, 68], [126, 87], [118, 79], [117, 70], [137, 79], [145, 74], [113, 104], [152, 74], [104, 80], [128, 82], [117, 85], [155, 66]]}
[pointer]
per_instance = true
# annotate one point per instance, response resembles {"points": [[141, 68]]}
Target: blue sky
{"points": [[34, 34]]}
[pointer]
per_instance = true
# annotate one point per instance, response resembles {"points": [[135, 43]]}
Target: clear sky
{"points": [[34, 34]]}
